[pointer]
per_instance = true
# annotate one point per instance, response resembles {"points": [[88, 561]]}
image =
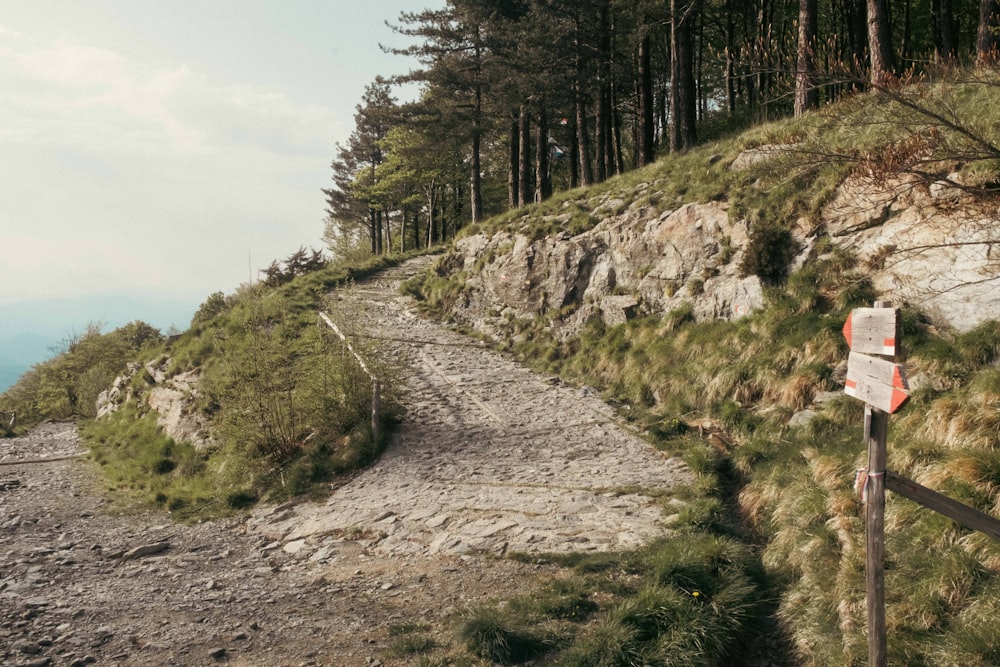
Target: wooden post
{"points": [[969, 517], [376, 410], [876, 435], [376, 385], [876, 428]]}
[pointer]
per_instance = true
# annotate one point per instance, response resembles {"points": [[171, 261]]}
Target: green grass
{"points": [[137, 458], [783, 494]]}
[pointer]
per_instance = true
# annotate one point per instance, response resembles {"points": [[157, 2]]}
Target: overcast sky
{"points": [[170, 148]]}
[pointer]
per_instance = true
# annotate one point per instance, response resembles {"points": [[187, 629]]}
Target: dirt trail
{"points": [[489, 458]]}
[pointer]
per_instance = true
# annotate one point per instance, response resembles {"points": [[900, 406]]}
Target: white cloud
{"points": [[148, 176]]}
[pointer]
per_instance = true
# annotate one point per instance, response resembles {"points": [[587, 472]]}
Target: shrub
{"points": [[769, 253], [488, 634]]}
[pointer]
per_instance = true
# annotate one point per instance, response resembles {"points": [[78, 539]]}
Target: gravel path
{"points": [[489, 458]]}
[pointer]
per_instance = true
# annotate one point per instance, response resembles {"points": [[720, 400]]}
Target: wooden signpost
{"points": [[874, 377], [879, 383]]}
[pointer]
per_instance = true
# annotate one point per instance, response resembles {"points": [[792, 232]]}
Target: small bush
{"points": [[488, 634], [768, 254]]}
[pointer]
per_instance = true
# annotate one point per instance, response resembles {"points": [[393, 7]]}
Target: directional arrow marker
{"points": [[872, 330], [878, 382]]}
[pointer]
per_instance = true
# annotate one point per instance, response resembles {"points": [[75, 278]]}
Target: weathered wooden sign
{"points": [[878, 382], [872, 330]]}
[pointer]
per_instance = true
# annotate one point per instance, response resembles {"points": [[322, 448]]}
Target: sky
{"points": [[167, 149]]}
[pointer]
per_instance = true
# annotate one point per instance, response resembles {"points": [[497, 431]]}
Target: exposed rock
{"points": [[802, 418], [172, 397], [145, 550], [114, 397], [758, 154], [920, 248], [929, 246], [636, 262]]}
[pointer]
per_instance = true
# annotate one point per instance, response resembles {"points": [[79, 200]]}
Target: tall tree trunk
{"points": [[586, 171], [602, 120], [614, 115], [945, 41], [646, 123], [729, 73], [387, 226], [431, 218], [524, 163], [806, 93], [543, 181], [373, 231], [574, 159], [907, 31], [683, 111], [616, 132], [402, 230], [580, 107], [476, 177], [988, 40], [881, 60], [513, 186]]}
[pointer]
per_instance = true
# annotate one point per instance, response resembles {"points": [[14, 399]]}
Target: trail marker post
{"points": [[881, 384], [874, 377]]}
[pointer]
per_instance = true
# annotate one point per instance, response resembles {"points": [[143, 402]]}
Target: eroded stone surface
{"points": [[489, 458]]}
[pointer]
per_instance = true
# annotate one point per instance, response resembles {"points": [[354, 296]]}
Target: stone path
{"points": [[86, 582], [490, 457]]}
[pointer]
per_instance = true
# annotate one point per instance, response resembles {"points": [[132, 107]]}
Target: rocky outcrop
{"points": [[926, 245], [631, 263], [172, 397]]}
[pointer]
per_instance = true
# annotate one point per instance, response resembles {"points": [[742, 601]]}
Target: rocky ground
{"points": [[489, 459]]}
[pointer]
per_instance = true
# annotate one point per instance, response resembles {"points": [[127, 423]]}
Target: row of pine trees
{"points": [[521, 98]]}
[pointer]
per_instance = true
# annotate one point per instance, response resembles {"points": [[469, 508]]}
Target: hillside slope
{"points": [[706, 295]]}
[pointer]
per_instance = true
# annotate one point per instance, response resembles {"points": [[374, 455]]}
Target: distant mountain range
{"points": [[32, 332]]}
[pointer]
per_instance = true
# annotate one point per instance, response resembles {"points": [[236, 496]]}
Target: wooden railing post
{"points": [[376, 410], [376, 385]]}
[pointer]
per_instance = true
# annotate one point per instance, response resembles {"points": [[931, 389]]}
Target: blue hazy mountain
{"points": [[34, 331]]}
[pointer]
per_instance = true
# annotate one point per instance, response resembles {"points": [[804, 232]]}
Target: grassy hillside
{"points": [[722, 395], [287, 408]]}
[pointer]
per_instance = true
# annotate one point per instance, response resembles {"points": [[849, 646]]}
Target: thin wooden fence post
{"points": [[376, 385], [376, 410]]}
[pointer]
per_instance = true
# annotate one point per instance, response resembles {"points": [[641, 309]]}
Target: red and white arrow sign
{"points": [[872, 330], [878, 382]]}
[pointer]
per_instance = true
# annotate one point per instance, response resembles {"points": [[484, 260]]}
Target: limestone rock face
{"points": [[929, 246], [633, 263], [932, 247], [173, 399]]}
